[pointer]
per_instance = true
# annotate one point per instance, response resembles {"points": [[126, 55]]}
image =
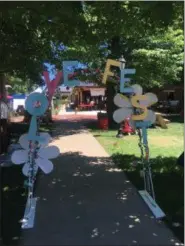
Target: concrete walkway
{"points": [[65, 111], [87, 201]]}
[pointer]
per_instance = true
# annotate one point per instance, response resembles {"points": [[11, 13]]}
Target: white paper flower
{"points": [[44, 153], [126, 108], [45, 139]]}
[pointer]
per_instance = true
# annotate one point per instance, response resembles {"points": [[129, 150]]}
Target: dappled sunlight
{"points": [[78, 174], [135, 218], [90, 195], [113, 170], [122, 197], [116, 231], [98, 161], [95, 233]]}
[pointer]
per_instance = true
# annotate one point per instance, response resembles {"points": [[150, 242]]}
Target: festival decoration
{"points": [[124, 79], [126, 106], [35, 152], [107, 69], [68, 72], [52, 85], [41, 159], [135, 106]]}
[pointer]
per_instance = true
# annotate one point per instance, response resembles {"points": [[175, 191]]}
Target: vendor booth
{"points": [[85, 97]]}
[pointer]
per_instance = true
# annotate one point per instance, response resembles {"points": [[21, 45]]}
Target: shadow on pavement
{"points": [[88, 201]]}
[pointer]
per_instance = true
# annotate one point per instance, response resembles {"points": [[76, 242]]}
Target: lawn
{"points": [[14, 194], [165, 147]]}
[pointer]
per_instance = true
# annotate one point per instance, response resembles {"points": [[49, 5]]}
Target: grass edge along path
{"points": [[166, 145]]}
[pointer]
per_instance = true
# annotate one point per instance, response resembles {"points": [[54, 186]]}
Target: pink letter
{"points": [[52, 85]]}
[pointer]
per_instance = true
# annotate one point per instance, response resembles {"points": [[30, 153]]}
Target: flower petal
{"points": [[46, 138], [25, 169], [45, 165], [49, 152], [138, 90], [151, 116], [121, 114], [122, 101], [152, 98], [23, 140], [19, 157]]}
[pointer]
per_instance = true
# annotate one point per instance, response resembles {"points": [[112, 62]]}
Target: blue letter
{"points": [[123, 80], [67, 71]]}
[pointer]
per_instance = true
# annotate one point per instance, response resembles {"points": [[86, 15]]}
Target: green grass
{"points": [[165, 147]]}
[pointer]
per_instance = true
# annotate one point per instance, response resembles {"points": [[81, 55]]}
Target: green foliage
{"points": [[148, 34], [166, 145], [19, 85], [160, 58], [29, 31]]}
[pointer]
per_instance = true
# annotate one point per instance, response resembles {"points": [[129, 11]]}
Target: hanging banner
{"points": [[97, 92]]}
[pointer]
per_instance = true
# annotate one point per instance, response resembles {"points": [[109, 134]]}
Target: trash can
{"points": [[103, 121]]}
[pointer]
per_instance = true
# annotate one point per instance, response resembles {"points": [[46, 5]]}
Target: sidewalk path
{"points": [[87, 201]]}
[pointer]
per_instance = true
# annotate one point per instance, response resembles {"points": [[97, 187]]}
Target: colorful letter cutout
{"points": [[107, 69]]}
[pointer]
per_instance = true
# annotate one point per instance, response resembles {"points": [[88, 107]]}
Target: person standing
{"points": [[4, 118]]}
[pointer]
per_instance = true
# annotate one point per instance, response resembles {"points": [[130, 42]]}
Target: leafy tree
{"points": [[19, 85], [149, 34], [29, 33], [160, 59]]}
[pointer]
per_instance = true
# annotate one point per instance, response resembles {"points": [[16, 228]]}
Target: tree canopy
{"points": [[148, 34], [29, 31]]}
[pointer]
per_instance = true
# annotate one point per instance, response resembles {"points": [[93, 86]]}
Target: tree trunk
{"points": [[2, 86], [111, 91], [111, 107]]}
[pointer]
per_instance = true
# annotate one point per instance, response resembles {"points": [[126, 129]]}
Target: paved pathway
{"points": [[65, 111], [87, 201]]}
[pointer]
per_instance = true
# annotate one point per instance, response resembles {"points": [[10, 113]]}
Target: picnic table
{"points": [[161, 121]]}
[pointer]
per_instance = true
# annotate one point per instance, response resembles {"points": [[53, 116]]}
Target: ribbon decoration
{"points": [[136, 107], [35, 152]]}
